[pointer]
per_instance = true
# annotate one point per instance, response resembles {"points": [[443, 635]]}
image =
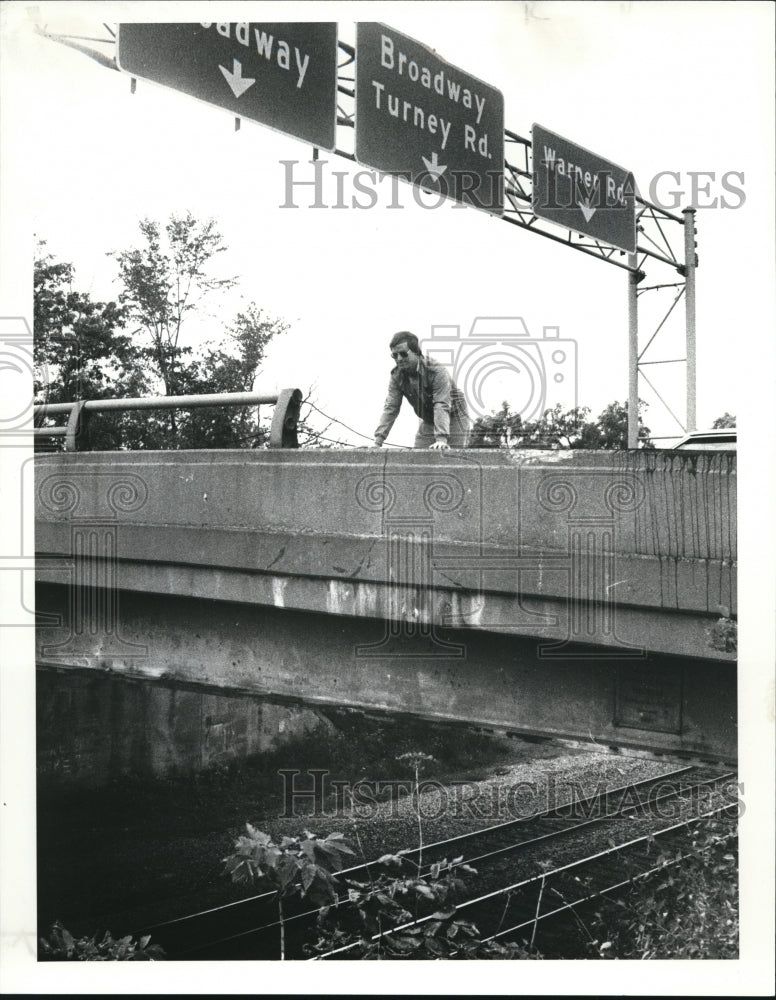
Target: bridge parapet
{"points": [[624, 551]]}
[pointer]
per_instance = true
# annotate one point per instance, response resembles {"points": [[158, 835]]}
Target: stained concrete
{"points": [[624, 549]]}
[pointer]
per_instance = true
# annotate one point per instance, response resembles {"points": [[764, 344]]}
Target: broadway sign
{"points": [[283, 75], [426, 120]]}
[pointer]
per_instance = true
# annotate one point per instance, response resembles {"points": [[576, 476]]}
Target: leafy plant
{"points": [[400, 916], [688, 911], [723, 635], [401, 912], [302, 867], [415, 759], [395, 914], [61, 946]]}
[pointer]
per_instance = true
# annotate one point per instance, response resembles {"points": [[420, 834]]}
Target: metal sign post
{"points": [[633, 353], [689, 304]]}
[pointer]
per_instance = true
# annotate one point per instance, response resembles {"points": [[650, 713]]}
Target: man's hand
{"points": [[377, 444], [439, 446]]}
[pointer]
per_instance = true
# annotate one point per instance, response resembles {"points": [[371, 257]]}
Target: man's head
{"points": [[405, 351]]}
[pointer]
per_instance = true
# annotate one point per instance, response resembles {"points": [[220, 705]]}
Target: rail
{"points": [[282, 433]]}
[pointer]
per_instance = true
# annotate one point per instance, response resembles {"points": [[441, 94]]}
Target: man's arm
{"points": [[390, 412]]}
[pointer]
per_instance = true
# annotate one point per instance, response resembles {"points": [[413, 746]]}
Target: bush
{"points": [[61, 946], [686, 911]]}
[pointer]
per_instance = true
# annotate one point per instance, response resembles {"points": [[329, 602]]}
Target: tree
{"points": [[229, 365], [726, 420], [79, 349], [166, 279], [557, 428], [612, 425], [163, 284], [500, 429], [88, 355]]}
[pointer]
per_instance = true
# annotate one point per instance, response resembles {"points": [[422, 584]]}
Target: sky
{"points": [[681, 94], [648, 86]]}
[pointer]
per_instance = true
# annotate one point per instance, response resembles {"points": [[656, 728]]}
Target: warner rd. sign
{"points": [[582, 191], [426, 120], [283, 75]]}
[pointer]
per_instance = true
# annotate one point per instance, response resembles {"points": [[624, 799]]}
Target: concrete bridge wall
{"points": [[624, 551]]}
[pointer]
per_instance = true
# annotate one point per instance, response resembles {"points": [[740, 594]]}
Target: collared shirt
{"points": [[430, 391]]}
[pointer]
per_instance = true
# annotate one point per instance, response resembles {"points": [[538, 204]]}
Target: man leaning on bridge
{"points": [[435, 398]]}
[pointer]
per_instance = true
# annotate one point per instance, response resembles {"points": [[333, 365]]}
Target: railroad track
{"points": [[513, 873], [559, 890]]}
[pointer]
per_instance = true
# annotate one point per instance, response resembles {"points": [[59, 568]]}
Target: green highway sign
{"points": [[283, 75], [426, 120], [581, 191]]}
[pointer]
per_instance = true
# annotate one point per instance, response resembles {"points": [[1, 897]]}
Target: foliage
{"points": [[294, 866], [403, 916], [726, 420], [416, 760], [82, 351], [723, 635], [165, 279], [393, 915], [557, 428], [687, 912], [79, 349], [61, 946]]}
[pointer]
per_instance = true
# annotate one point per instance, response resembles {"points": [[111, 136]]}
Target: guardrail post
{"points": [[282, 432], [76, 426]]}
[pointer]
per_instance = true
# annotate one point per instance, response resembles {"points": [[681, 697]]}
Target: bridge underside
{"points": [[671, 704]]}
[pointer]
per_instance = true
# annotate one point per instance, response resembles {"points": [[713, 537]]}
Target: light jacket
{"points": [[430, 391]]}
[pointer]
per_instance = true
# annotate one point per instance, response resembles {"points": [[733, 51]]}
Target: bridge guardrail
{"points": [[282, 433]]}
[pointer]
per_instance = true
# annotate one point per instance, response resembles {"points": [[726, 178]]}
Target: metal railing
{"points": [[282, 432]]}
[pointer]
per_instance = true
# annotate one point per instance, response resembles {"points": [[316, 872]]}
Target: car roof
{"points": [[720, 437]]}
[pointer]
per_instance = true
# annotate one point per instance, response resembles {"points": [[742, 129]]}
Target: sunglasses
{"points": [[399, 354]]}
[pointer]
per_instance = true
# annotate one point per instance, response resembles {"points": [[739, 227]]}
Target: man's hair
{"points": [[405, 337]]}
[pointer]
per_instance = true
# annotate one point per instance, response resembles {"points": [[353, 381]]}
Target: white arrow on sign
{"points": [[433, 166], [587, 211], [236, 80]]}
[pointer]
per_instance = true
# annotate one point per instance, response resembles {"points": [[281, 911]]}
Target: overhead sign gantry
{"points": [[417, 116]]}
